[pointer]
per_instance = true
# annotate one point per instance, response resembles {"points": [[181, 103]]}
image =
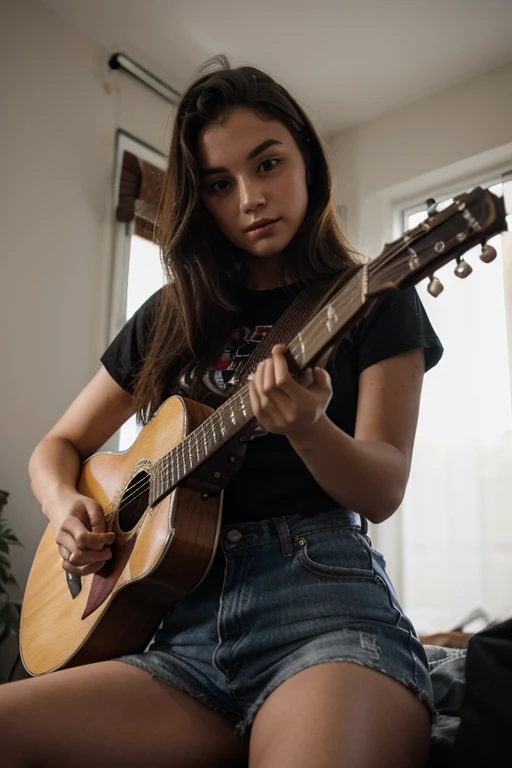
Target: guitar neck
{"points": [[442, 237], [235, 415]]}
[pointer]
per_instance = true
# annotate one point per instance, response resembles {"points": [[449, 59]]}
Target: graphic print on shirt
{"points": [[242, 343]]}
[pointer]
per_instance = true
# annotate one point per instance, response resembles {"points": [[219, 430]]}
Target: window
{"points": [[137, 269], [145, 276], [456, 523]]}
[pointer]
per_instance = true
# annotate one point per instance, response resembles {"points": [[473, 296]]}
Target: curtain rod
{"points": [[121, 61]]}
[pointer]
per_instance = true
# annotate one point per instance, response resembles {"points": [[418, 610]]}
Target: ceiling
{"points": [[346, 61]]}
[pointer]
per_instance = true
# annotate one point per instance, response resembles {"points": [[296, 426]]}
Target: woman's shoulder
{"points": [[151, 304], [397, 323]]}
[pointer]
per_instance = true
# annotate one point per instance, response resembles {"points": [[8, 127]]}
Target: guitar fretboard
{"points": [[443, 236], [236, 413]]}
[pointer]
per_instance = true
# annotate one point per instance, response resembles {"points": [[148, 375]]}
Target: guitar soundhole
{"points": [[134, 502]]}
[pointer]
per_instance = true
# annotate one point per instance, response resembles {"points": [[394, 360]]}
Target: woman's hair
{"points": [[193, 318]]}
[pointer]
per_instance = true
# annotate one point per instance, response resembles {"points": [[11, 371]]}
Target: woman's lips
{"points": [[265, 229]]}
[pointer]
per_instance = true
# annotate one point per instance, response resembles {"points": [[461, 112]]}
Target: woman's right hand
{"points": [[79, 525]]}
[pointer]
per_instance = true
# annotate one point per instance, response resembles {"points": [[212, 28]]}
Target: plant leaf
{"points": [[10, 616], [14, 618], [4, 611], [10, 538], [4, 575], [7, 534]]}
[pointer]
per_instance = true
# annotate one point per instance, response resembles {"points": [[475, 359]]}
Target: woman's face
{"points": [[252, 172]]}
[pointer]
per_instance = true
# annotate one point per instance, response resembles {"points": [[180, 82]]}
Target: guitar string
{"points": [[378, 265], [217, 418], [195, 440], [198, 436]]}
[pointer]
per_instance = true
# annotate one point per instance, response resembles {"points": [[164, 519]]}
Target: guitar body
{"points": [[160, 555]]}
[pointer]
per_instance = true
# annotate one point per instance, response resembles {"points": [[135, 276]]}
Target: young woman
{"points": [[294, 652]]}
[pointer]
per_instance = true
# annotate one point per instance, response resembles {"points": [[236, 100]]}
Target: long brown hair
{"points": [[193, 317]]}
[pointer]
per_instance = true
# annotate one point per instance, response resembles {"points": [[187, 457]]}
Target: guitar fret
{"points": [[161, 482], [164, 476], [177, 463], [332, 318], [183, 458], [302, 348], [183, 464], [155, 481]]}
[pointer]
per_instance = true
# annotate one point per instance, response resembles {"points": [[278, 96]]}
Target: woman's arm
{"points": [[94, 416], [368, 472]]}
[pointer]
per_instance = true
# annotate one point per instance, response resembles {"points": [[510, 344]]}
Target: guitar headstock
{"points": [[470, 220]]}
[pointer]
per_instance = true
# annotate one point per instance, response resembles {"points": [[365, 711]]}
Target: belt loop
{"points": [[281, 525]]}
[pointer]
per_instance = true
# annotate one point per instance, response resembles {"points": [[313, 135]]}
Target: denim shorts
{"points": [[283, 595]]}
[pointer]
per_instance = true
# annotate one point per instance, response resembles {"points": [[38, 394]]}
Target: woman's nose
{"points": [[251, 196]]}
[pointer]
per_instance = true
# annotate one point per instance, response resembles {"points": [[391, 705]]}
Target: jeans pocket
{"points": [[337, 553]]}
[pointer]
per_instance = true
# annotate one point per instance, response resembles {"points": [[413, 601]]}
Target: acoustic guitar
{"points": [[163, 497]]}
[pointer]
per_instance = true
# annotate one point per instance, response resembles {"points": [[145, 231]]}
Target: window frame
{"points": [[407, 207], [123, 232]]}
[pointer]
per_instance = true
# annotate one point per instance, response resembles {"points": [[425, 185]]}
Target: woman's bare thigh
{"points": [[112, 714]]}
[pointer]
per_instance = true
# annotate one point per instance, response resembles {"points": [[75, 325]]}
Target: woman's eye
{"points": [[222, 185], [219, 186], [269, 165]]}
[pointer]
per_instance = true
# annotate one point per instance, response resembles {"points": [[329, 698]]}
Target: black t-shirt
{"points": [[274, 480]]}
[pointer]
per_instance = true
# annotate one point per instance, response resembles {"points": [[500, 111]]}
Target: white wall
{"points": [[61, 107], [455, 134]]}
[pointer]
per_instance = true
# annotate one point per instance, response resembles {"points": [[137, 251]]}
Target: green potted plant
{"points": [[9, 611]]}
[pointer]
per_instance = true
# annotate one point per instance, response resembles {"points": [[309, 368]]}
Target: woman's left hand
{"points": [[280, 403]]}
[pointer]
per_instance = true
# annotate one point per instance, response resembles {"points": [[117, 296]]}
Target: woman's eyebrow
{"points": [[262, 147], [252, 154]]}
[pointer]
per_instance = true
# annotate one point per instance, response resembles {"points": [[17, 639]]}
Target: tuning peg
{"points": [[435, 286], [488, 254], [463, 269], [431, 206]]}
